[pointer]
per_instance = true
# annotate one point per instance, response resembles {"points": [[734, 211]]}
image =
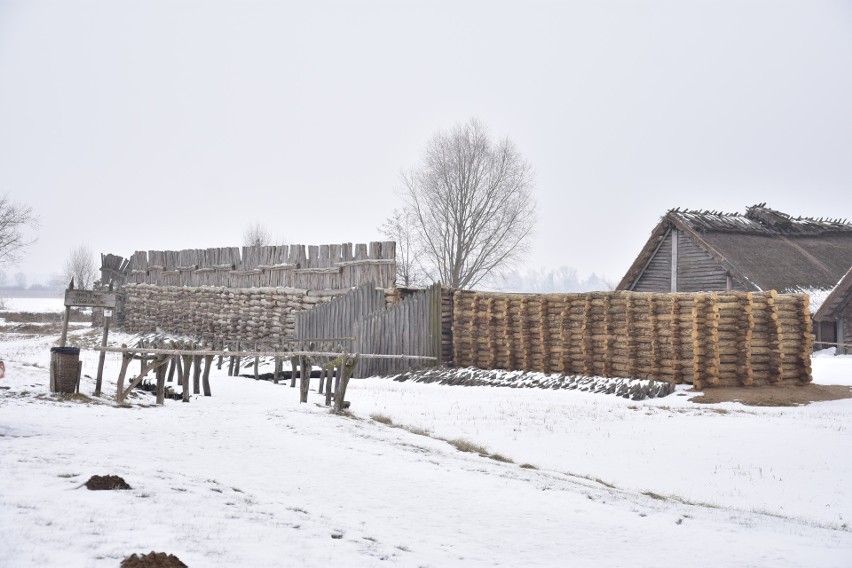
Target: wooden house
{"points": [[833, 319], [763, 249]]}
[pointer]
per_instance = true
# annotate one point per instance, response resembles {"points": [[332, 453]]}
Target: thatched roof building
{"points": [[834, 317], [763, 249]]}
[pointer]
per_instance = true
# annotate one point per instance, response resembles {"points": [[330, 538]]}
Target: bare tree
{"points": [[400, 228], [81, 266], [472, 204], [256, 235], [13, 218]]}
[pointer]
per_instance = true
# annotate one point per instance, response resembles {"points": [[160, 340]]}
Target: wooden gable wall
{"points": [[697, 271], [657, 276]]}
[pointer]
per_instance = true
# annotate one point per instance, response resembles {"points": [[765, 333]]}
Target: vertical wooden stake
{"points": [[205, 380], [102, 357], [196, 374], [184, 379], [305, 377], [329, 378], [294, 362], [126, 358], [277, 372], [346, 368], [161, 384]]}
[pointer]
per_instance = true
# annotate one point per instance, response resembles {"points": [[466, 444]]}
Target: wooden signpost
{"points": [[89, 299]]}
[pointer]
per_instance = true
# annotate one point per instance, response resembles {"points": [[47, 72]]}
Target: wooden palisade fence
{"points": [[708, 339], [408, 328], [320, 267]]}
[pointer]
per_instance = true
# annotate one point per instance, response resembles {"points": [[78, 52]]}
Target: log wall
{"points": [[708, 339], [222, 315]]}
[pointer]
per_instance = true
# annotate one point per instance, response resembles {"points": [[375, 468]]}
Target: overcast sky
{"points": [[168, 125]]}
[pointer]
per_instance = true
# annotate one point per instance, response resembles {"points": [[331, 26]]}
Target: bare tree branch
{"points": [[471, 203], [81, 266], [256, 235], [399, 227], [13, 218]]}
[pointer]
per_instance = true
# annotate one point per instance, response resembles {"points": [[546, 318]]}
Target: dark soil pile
{"points": [[106, 483], [152, 560]]}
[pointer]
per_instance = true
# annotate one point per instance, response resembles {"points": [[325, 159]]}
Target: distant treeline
{"points": [[547, 281]]}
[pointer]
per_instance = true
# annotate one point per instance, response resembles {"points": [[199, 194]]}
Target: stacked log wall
{"points": [[220, 314], [708, 339]]}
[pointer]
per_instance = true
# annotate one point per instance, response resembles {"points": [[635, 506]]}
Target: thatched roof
{"points": [[763, 249], [840, 296]]}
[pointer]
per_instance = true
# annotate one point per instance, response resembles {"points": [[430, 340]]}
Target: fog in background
{"points": [[168, 125]]}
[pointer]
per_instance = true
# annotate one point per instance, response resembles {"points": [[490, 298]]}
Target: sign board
{"points": [[89, 298]]}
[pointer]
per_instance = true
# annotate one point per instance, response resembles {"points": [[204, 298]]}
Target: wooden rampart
{"points": [[320, 267], [223, 315], [707, 339]]}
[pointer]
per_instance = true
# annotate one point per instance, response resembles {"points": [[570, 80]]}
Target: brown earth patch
{"points": [[774, 395], [106, 483], [152, 560]]}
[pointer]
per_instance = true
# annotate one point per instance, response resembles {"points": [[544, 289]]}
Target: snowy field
{"points": [[248, 477], [35, 305]]}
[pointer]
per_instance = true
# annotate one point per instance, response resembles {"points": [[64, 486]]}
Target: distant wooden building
{"points": [[833, 319], [764, 249]]}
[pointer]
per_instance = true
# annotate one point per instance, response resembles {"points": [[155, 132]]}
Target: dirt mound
{"points": [[774, 395], [106, 483], [152, 560]]}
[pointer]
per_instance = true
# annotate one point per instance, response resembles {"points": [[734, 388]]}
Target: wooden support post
{"points": [[347, 366], [294, 362], [126, 358], [196, 374], [305, 378], [323, 372], [205, 380], [328, 391], [161, 384], [237, 363], [156, 362], [174, 363], [102, 356], [63, 338], [277, 372], [184, 379], [256, 366]]}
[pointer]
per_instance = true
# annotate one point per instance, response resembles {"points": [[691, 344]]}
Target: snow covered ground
{"points": [[249, 477], [36, 305]]}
